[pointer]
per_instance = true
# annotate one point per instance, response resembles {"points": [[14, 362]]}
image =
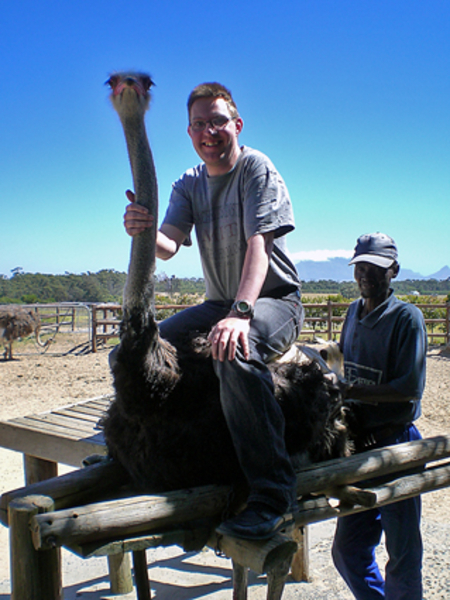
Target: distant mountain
{"points": [[408, 274], [338, 269], [443, 273]]}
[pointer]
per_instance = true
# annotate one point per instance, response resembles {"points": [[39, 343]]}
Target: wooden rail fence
{"points": [[321, 320]]}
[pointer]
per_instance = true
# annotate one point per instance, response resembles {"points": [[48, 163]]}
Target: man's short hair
{"points": [[213, 90]]}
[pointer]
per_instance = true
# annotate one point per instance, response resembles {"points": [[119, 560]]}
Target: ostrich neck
{"points": [[139, 289]]}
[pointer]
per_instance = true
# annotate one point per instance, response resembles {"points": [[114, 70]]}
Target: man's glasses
{"points": [[216, 123]]}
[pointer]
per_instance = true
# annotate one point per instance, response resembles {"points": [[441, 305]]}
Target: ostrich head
{"points": [[130, 93]]}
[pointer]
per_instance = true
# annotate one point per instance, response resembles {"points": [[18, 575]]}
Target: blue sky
{"points": [[349, 98]]}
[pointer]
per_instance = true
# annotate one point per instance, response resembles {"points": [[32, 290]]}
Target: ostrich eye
{"points": [[147, 82], [112, 81]]}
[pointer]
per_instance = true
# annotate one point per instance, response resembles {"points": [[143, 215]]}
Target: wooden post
{"points": [[276, 579], [141, 575], [35, 575], [447, 323], [240, 581], [94, 328], [120, 573], [38, 469], [300, 564], [330, 319]]}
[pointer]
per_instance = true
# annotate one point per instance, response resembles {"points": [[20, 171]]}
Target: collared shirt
{"points": [[388, 345]]}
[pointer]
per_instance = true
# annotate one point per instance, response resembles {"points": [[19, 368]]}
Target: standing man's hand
{"points": [[226, 335]]}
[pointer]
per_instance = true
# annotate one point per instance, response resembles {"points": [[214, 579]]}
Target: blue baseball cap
{"points": [[376, 248]]}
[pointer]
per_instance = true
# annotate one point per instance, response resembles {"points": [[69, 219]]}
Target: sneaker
{"points": [[256, 522]]}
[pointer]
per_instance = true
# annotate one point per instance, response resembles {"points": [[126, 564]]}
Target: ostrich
{"points": [[166, 425], [17, 322]]}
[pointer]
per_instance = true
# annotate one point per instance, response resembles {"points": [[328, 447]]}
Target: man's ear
{"points": [[395, 270]]}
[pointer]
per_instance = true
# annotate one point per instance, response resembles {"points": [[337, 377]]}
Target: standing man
{"points": [[384, 343], [241, 211]]}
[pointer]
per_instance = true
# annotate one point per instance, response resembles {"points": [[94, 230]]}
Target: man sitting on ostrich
{"points": [[241, 211]]}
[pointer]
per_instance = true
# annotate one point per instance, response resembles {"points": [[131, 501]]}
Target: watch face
{"points": [[243, 306]]}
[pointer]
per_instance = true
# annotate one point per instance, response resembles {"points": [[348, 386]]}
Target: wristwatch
{"points": [[243, 309]]}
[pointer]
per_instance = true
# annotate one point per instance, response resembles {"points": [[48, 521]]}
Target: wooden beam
{"points": [[138, 514], [128, 516], [382, 461], [351, 495], [82, 486], [317, 509], [261, 556], [132, 516]]}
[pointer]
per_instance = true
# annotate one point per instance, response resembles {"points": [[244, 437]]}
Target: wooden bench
{"points": [[68, 435], [86, 519], [71, 511], [64, 435]]}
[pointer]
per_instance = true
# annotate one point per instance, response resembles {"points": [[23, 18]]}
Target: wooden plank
{"points": [[90, 418], [72, 424], [84, 413], [89, 407], [44, 425], [58, 448], [92, 405], [102, 400], [66, 435]]}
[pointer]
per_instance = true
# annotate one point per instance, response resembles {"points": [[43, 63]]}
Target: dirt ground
{"points": [[35, 382]]}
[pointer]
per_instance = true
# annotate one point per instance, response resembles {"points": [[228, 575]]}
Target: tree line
{"points": [[107, 286]]}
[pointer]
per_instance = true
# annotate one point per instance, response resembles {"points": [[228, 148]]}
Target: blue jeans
{"points": [[358, 535], [253, 416]]}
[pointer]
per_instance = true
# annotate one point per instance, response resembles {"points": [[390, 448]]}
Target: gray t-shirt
{"points": [[229, 209]]}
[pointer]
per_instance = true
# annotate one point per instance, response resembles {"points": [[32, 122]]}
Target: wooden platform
{"points": [[64, 435]]}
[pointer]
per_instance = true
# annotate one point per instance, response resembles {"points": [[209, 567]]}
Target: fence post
{"points": [[447, 323], [330, 320], [105, 316], [94, 328]]}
